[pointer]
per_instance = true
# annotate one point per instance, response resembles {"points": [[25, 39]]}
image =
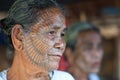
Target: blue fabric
{"points": [[3, 75], [93, 76]]}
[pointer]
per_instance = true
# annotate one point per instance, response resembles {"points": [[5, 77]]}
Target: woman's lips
{"points": [[57, 53], [54, 58], [96, 64], [54, 55]]}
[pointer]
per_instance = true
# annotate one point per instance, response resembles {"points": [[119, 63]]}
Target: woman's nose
{"points": [[59, 44]]}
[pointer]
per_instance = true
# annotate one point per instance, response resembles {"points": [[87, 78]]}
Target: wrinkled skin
{"points": [[45, 44], [87, 56], [38, 51]]}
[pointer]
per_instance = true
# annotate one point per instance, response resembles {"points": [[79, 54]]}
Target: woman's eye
{"points": [[63, 34], [87, 48], [51, 35], [52, 32]]}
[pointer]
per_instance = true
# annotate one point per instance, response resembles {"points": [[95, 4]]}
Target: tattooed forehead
{"points": [[51, 18], [48, 13]]}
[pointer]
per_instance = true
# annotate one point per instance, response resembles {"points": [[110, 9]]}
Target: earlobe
{"points": [[16, 36]]}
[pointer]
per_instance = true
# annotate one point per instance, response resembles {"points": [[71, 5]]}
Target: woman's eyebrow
{"points": [[56, 27]]}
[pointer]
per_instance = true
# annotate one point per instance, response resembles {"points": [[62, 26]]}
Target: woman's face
{"points": [[45, 44], [89, 51]]}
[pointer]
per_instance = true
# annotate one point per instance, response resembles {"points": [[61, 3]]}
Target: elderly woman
{"points": [[84, 51], [36, 29]]}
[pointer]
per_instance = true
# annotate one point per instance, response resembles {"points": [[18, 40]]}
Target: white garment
{"points": [[3, 75], [54, 75], [93, 76], [60, 75]]}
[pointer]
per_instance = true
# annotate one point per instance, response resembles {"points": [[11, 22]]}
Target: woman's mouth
{"points": [[55, 56], [96, 64]]}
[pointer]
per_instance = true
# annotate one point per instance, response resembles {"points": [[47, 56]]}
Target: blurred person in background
{"points": [[35, 30], [84, 51]]}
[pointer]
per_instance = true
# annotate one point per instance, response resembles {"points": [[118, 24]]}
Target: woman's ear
{"points": [[16, 36], [69, 56]]}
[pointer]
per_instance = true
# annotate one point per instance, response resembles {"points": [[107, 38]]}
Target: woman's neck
{"points": [[23, 69], [78, 73]]}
